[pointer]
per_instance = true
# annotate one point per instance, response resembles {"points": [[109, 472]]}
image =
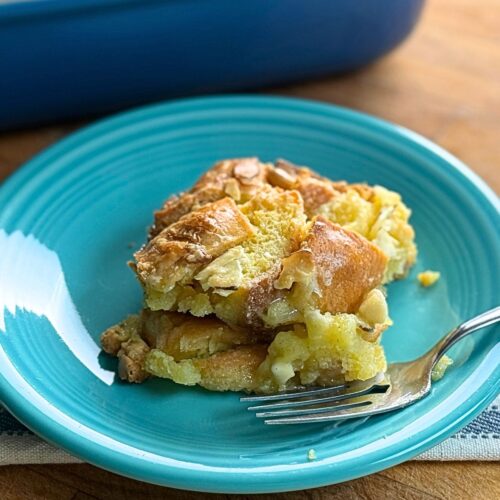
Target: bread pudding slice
{"points": [[327, 349], [265, 277]]}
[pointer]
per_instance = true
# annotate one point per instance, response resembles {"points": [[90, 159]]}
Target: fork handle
{"points": [[481, 321]]}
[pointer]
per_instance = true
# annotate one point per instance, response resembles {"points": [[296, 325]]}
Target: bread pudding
{"points": [[265, 277]]}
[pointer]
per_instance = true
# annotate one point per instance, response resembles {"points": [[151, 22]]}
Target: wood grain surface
{"points": [[443, 82]]}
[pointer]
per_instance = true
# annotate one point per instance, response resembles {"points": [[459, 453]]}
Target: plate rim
{"points": [[24, 409]]}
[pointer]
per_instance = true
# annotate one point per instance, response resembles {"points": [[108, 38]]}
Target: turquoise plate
{"points": [[72, 216]]}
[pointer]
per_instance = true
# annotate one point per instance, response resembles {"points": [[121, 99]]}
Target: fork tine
{"points": [[314, 391], [357, 389], [372, 407], [311, 410]]}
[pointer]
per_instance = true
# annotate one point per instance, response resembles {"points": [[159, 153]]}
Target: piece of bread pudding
{"points": [[265, 277]]}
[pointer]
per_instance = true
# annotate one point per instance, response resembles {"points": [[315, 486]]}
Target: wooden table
{"points": [[444, 83]]}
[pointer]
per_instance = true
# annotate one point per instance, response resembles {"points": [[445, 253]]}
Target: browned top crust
{"points": [[238, 178], [242, 178], [196, 238], [347, 265]]}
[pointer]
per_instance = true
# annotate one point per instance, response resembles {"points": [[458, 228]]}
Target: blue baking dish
{"points": [[62, 59]]}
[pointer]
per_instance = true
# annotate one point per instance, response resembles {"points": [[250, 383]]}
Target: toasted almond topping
{"points": [[246, 169], [281, 178]]}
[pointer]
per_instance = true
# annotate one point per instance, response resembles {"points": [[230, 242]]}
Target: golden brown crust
{"points": [[314, 189], [242, 178], [347, 266], [338, 266], [233, 370], [178, 251], [297, 170], [157, 325], [249, 172], [201, 337], [177, 206], [239, 178], [315, 193]]}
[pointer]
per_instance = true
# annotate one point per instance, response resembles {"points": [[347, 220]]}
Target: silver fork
{"points": [[401, 385]]}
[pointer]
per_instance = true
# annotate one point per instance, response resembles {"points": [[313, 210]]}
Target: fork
{"points": [[401, 385]]}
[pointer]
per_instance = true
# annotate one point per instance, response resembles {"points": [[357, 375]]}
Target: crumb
{"points": [[428, 278], [311, 455], [131, 244], [440, 368]]}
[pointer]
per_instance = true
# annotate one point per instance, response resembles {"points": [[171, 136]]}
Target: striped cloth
{"points": [[480, 440]]}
